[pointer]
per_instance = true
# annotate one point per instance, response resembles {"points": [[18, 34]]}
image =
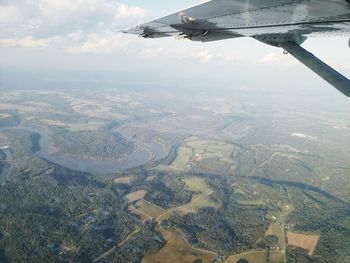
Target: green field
{"points": [[200, 154], [85, 126]]}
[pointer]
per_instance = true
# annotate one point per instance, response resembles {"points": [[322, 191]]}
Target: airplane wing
{"points": [[281, 23]]}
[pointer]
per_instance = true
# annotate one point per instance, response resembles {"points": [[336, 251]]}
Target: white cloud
{"points": [[97, 44], [153, 52], [271, 58], [206, 56], [47, 18], [131, 14], [278, 58], [27, 42], [9, 14]]}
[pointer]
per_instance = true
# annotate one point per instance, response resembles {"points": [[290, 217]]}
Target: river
{"points": [[144, 153]]}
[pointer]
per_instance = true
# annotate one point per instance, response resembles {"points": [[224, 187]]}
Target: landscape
{"points": [[172, 175]]}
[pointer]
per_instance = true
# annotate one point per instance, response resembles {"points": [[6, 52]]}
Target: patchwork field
{"points": [[305, 241], [94, 109], [177, 249], [200, 199], [200, 154]]}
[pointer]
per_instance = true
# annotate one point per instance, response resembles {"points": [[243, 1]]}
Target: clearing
{"points": [[149, 209], [305, 241], [124, 180], [135, 196]]}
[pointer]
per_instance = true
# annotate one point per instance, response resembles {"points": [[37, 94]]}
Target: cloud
{"points": [[76, 27], [277, 58], [131, 15], [96, 44], [271, 58], [27, 42], [9, 15], [206, 56], [47, 18]]}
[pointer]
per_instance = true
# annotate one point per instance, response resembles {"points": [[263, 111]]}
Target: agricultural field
{"points": [[177, 249], [152, 210], [88, 126], [124, 180], [197, 154], [135, 196], [257, 257], [200, 199], [210, 179], [95, 109], [304, 241]]}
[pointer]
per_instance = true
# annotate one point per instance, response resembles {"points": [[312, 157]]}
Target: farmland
{"points": [[177, 249], [211, 179], [196, 154], [304, 241], [257, 257]]}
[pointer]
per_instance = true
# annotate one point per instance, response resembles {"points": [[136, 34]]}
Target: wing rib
{"points": [[329, 74]]}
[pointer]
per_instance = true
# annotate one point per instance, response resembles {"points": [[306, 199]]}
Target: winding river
{"points": [[144, 153]]}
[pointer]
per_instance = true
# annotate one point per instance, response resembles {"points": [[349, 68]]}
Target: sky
{"points": [[83, 35]]}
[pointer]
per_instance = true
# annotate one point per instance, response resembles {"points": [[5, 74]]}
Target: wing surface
{"points": [[233, 18], [281, 23]]}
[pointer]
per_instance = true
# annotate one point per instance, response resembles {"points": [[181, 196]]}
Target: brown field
{"points": [[257, 257], [135, 196], [176, 250], [149, 209], [144, 217], [305, 241]]}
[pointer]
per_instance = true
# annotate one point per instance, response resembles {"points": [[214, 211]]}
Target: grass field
{"points": [[205, 149], [177, 249], [85, 126], [200, 199], [197, 184], [124, 180], [135, 196], [95, 109], [149, 209], [134, 210], [195, 153], [257, 257], [251, 202], [305, 241], [181, 163]]}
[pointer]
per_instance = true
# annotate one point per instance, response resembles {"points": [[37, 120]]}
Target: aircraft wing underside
{"points": [[274, 22]]}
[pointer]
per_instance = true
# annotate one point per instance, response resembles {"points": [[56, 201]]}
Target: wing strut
{"points": [[329, 74]]}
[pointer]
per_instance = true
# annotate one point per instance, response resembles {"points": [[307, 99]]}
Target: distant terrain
{"points": [[118, 175]]}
